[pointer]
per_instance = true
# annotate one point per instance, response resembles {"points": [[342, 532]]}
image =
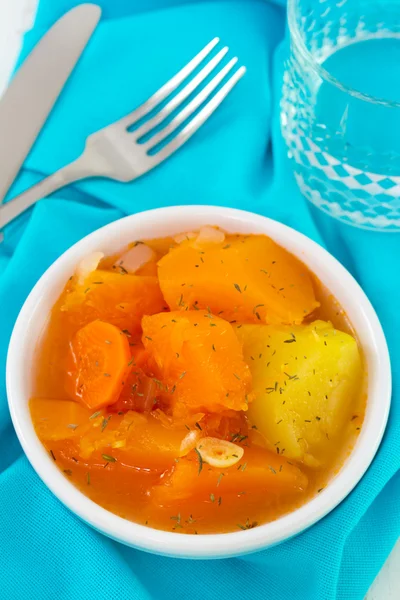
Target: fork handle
{"points": [[69, 174]]}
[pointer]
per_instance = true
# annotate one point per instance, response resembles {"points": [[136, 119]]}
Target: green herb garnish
{"points": [[200, 460], [109, 458], [105, 422], [176, 518]]}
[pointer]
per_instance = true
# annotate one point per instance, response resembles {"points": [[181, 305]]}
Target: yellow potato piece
{"points": [[306, 380]]}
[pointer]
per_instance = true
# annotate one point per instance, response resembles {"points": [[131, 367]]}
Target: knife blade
{"points": [[36, 86]]}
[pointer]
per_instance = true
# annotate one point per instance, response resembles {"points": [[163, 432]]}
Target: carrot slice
{"points": [[97, 364]]}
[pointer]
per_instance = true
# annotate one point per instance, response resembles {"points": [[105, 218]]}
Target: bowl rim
{"points": [[221, 545]]}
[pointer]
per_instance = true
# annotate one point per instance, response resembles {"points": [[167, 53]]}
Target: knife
{"points": [[36, 86]]}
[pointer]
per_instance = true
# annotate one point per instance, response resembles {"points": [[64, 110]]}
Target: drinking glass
{"points": [[340, 108]]}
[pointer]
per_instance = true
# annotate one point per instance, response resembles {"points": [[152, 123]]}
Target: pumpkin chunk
{"points": [[259, 470], [245, 278], [199, 361]]}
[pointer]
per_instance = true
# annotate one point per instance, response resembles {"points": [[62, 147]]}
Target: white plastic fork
{"points": [[115, 153]]}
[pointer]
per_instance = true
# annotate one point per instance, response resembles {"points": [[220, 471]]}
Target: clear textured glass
{"points": [[340, 108]]}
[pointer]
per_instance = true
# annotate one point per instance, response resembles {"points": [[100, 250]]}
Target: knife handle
{"points": [[69, 174]]}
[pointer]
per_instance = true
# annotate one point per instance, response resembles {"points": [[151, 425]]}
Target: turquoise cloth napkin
{"points": [[237, 159]]}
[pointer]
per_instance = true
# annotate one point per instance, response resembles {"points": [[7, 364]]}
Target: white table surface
{"points": [[16, 17]]}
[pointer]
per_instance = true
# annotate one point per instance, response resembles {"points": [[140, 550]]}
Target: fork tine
{"points": [[168, 87], [191, 107], [181, 96], [199, 119]]}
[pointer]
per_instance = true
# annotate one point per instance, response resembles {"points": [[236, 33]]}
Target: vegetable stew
{"points": [[205, 383]]}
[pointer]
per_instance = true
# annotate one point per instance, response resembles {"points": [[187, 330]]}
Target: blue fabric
{"points": [[237, 159]]}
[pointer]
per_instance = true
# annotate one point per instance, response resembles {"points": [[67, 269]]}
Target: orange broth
{"points": [[128, 457]]}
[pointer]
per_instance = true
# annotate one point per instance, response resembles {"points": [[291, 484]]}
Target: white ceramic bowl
{"points": [[169, 221]]}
